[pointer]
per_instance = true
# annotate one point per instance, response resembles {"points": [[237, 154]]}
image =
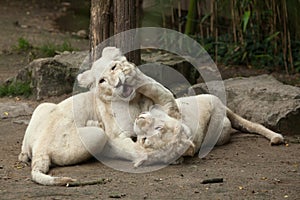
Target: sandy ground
{"points": [[249, 166]]}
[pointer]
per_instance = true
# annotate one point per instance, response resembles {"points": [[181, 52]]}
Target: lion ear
{"points": [[113, 53], [85, 79]]}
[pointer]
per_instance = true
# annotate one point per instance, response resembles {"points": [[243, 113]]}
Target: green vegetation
{"points": [[256, 34], [45, 50], [51, 49], [15, 89], [23, 45], [253, 33]]}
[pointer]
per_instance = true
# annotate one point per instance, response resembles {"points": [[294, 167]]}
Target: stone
{"points": [[21, 121], [56, 75], [264, 100], [82, 34], [53, 76], [14, 109], [162, 59]]}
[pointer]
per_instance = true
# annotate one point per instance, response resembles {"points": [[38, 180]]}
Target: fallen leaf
{"points": [[264, 178]]}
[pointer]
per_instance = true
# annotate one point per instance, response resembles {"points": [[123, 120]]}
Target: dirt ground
{"points": [[249, 166]]}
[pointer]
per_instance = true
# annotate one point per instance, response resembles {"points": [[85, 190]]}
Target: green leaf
{"points": [[268, 39], [205, 17], [245, 20], [296, 64]]}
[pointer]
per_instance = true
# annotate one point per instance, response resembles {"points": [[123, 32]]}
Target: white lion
{"points": [[67, 133], [172, 138]]}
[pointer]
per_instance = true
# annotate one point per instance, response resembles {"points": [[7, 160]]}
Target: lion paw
{"points": [[23, 157], [138, 163], [276, 140], [92, 123]]}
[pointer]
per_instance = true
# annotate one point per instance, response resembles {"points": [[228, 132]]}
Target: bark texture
{"points": [[100, 25], [110, 17]]}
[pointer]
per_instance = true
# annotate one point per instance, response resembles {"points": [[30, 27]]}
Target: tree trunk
{"points": [[125, 18], [112, 17], [99, 25]]}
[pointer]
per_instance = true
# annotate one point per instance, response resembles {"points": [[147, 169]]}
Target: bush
{"points": [[15, 89]]}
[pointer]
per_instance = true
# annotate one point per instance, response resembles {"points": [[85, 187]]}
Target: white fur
{"points": [[94, 122], [69, 132], [197, 113], [57, 134], [89, 78]]}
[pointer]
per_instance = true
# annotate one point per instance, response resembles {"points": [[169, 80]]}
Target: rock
{"points": [[73, 59], [176, 62], [52, 76], [14, 109], [82, 34], [21, 121], [265, 100], [55, 76]]}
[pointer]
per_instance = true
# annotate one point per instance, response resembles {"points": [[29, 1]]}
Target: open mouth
{"points": [[127, 91]]}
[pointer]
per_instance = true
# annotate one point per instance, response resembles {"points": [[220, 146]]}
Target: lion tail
{"points": [[244, 125], [40, 166]]}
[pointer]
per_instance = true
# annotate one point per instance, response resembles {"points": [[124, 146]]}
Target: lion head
{"points": [[155, 129], [112, 76]]}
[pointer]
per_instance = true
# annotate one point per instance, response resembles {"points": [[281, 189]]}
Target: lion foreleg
{"points": [[93, 139], [40, 168], [160, 95]]}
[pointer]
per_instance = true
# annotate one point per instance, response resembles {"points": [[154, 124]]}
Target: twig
{"points": [[232, 4], [212, 180], [95, 182]]}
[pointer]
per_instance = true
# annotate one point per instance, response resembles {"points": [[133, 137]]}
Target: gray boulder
{"points": [[56, 76], [53, 76], [263, 99], [14, 109], [160, 59]]}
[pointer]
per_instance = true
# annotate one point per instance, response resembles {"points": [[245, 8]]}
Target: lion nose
{"points": [[142, 115]]}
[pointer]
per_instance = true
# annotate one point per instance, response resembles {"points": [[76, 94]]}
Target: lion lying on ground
{"points": [[69, 132], [157, 131]]}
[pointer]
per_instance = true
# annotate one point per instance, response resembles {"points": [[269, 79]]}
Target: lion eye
{"points": [[114, 67], [158, 128], [101, 80]]}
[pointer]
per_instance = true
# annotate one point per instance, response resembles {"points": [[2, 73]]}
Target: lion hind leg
{"points": [[93, 139], [40, 166], [226, 132], [242, 124]]}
